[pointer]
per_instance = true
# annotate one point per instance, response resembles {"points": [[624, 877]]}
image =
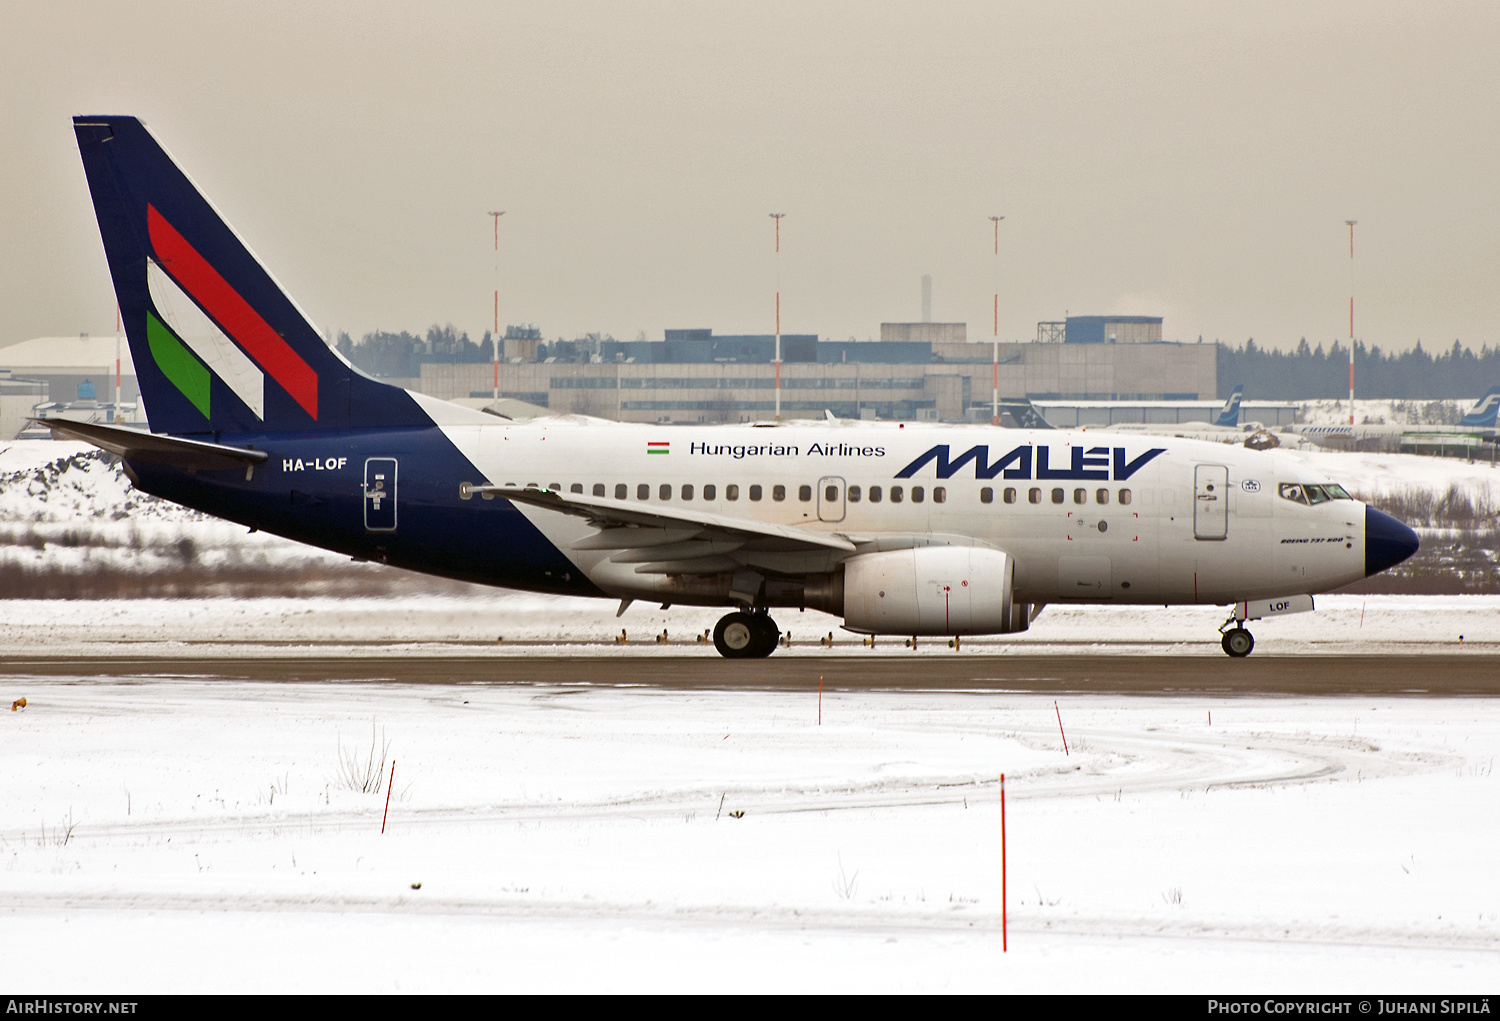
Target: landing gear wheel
{"points": [[768, 634], [741, 635], [1238, 642], [736, 636]]}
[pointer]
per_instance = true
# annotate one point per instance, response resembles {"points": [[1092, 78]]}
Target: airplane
{"points": [[899, 528], [1222, 428], [1478, 425]]}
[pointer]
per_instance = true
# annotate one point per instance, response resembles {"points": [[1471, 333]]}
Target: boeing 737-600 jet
{"points": [[902, 529]]}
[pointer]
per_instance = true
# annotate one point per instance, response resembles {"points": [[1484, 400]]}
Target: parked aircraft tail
{"points": [[1229, 417], [218, 346], [1020, 413], [1485, 412]]}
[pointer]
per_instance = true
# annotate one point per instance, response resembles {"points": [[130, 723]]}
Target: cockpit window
{"points": [[1310, 494]]}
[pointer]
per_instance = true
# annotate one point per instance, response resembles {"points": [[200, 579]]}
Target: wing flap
{"points": [[607, 515]]}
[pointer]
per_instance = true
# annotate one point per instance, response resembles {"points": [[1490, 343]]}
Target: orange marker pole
{"points": [[1060, 728], [1004, 920], [388, 784], [820, 700]]}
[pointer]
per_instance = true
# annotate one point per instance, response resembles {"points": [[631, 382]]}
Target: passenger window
{"points": [[576, 487], [939, 494], [621, 491], [731, 492], [643, 492], [687, 492], [664, 491], [1010, 495], [709, 491], [556, 487], [986, 495], [598, 489], [1125, 497], [1080, 496], [831, 494], [917, 494], [804, 493], [1102, 496], [755, 492], [854, 494], [874, 494], [896, 494], [778, 492], [1035, 496], [1058, 495]]}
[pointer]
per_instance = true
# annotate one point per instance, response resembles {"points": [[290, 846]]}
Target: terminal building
{"points": [[916, 371], [1084, 370]]}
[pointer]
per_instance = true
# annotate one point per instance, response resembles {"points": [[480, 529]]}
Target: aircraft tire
{"points": [[1238, 642], [768, 633], [738, 636]]}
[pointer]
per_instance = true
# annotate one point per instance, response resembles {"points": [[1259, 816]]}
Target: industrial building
{"points": [[916, 371], [76, 374], [1072, 414]]}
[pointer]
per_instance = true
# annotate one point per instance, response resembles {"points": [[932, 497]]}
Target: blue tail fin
{"points": [[1486, 411], [1230, 416], [218, 347]]}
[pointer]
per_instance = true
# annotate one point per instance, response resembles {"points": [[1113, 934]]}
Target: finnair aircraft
{"points": [[899, 529], [1479, 424], [1223, 428]]}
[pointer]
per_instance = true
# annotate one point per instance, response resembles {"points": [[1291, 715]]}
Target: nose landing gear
{"points": [[742, 635], [1237, 641]]}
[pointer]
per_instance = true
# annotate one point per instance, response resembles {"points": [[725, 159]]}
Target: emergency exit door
{"points": [[830, 499], [1211, 502], [380, 494]]}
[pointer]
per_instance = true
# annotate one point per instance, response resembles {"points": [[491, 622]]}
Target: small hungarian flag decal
{"points": [[662, 447]]}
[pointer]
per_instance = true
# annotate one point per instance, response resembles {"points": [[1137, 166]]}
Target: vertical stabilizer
{"points": [[218, 346], [1229, 416], [1485, 412]]}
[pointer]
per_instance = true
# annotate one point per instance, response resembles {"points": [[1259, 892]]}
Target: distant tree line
{"points": [[402, 354], [1309, 373]]}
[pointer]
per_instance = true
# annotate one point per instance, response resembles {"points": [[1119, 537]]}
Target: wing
{"points": [[661, 540]]}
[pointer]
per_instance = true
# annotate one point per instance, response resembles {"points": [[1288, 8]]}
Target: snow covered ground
{"points": [[165, 834], [531, 624], [172, 835], [1383, 411]]}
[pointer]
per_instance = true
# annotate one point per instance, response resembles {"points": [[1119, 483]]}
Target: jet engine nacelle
{"points": [[933, 590]]}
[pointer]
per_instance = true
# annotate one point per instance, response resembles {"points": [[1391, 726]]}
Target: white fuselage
{"points": [[1196, 523]]}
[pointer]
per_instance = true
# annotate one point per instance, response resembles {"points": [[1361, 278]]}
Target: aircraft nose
{"points": [[1387, 541]]}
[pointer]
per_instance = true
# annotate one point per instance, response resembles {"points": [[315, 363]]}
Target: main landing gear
{"points": [[1237, 641], [742, 635]]}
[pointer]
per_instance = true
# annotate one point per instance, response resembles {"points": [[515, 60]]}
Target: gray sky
{"points": [[1190, 160]]}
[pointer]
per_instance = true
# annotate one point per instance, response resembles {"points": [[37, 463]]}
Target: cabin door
{"points": [[1211, 502]]}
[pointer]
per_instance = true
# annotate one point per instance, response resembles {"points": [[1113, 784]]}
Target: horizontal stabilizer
{"points": [[155, 448]]}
